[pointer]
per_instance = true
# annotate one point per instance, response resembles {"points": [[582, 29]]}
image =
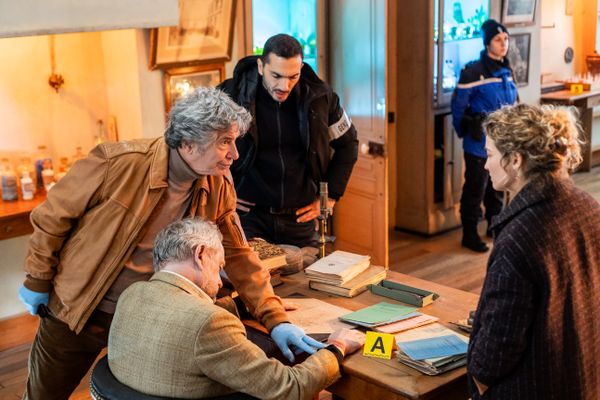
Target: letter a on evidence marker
{"points": [[379, 345]]}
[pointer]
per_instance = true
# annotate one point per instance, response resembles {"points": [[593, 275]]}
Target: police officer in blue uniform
{"points": [[485, 85]]}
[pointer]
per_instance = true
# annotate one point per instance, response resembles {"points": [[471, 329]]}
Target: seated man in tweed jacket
{"points": [[168, 338]]}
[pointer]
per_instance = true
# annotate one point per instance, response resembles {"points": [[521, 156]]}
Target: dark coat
{"points": [[324, 127], [537, 327]]}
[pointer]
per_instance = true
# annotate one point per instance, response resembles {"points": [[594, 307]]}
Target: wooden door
{"points": [[357, 72]]}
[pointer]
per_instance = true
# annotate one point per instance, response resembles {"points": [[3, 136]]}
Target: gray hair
{"points": [[179, 240], [201, 116]]}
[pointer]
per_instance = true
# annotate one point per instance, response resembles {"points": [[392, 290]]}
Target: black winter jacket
{"points": [[535, 333], [324, 126]]}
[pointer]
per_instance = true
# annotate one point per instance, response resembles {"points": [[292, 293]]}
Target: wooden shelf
{"points": [[14, 216]]}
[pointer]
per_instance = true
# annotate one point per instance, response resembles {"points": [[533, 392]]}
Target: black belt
{"points": [[278, 211]]}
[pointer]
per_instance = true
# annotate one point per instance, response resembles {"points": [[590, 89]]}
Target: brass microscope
{"points": [[325, 212]]}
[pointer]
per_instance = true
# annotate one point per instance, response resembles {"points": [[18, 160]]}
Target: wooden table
{"points": [[371, 378], [585, 102], [14, 216]]}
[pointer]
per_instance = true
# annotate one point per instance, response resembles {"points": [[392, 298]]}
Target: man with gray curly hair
{"points": [[93, 236]]}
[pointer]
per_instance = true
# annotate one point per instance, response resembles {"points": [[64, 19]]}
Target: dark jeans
{"points": [[477, 188], [277, 228], [59, 358]]}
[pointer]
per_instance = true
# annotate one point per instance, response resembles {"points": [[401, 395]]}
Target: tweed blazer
{"points": [[536, 329], [168, 339]]}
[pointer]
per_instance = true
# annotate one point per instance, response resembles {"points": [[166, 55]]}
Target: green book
{"points": [[379, 314]]}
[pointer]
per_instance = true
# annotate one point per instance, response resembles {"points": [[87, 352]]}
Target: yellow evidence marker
{"points": [[379, 345], [576, 89]]}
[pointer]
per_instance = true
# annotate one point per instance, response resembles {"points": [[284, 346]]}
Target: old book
{"points": [[372, 275], [404, 325], [271, 256], [338, 267], [435, 365], [379, 314], [275, 277]]}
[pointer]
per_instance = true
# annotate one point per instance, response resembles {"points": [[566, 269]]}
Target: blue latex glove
{"points": [[287, 334], [32, 300]]}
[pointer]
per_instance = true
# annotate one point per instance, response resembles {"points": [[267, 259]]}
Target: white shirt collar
{"points": [[191, 283]]}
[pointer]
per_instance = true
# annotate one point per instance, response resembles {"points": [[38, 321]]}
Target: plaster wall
{"points": [[105, 74], [557, 34]]}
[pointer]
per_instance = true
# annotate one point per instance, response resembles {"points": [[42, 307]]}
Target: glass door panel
{"points": [[297, 18]]}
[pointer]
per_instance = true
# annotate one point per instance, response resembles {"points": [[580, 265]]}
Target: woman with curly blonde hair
{"points": [[535, 329]]}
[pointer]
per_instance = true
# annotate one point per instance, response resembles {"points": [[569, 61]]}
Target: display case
{"points": [[297, 18], [457, 40], [430, 158]]}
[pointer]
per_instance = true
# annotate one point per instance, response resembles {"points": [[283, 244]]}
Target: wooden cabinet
{"points": [[428, 155], [14, 217]]}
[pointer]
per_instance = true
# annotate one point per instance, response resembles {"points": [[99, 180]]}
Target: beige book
{"points": [[371, 276], [338, 267]]}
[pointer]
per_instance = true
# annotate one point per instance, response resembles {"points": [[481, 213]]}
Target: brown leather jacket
{"points": [[91, 220]]}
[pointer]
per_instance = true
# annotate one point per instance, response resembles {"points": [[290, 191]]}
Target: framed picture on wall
{"points": [[518, 56], [180, 81], [204, 35], [518, 12]]}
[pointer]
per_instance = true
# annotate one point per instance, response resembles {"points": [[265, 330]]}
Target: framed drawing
{"points": [[518, 55], [180, 81], [518, 12], [204, 35]]}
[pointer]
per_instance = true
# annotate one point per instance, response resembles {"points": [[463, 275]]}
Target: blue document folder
{"points": [[441, 346]]}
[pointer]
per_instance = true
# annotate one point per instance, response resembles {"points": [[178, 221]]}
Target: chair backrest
{"points": [[104, 386]]}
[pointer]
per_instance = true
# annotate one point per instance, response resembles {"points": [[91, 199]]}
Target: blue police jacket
{"points": [[485, 86]]}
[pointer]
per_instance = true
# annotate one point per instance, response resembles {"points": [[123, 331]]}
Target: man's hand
{"points": [[32, 300], [286, 334], [347, 340], [313, 210]]}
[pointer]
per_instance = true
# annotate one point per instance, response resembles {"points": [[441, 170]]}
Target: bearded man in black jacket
{"points": [[300, 136]]}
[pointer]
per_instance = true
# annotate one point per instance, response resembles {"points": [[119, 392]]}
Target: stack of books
{"points": [[432, 349], [344, 274], [272, 257]]}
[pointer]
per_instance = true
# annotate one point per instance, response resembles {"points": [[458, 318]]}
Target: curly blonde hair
{"points": [[547, 137]]}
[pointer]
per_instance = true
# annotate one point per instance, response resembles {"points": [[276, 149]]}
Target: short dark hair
{"points": [[282, 45]]}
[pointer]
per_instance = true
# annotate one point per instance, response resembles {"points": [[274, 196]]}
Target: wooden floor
{"points": [[440, 259]]}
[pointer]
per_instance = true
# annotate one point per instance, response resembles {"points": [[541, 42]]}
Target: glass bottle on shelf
{"points": [[101, 136], [78, 155], [47, 175], [10, 191], [27, 186], [448, 74], [42, 162], [63, 168], [26, 166]]}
